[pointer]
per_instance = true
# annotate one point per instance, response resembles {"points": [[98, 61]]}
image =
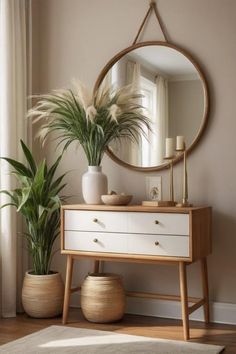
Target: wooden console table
{"points": [[178, 236]]}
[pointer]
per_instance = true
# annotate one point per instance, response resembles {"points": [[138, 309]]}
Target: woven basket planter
{"points": [[42, 295], [103, 298]]}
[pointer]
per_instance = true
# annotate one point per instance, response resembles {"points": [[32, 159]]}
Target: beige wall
{"points": [[77, 37]]}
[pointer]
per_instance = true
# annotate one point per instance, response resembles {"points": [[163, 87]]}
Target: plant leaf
{"points": [[18, 166], [29, 157], [25, 195]]}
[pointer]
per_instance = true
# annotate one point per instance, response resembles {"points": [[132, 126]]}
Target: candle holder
{"points": [[185, 202], [170, 202]]}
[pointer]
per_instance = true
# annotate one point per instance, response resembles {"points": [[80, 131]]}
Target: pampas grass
{"points": [[93, 120]]}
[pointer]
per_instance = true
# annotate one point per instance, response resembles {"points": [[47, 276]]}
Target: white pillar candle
{"points": [[169, 147], [180, 142]]}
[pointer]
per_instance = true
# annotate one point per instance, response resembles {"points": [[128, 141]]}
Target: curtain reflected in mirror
{"points": [[172, 97]]}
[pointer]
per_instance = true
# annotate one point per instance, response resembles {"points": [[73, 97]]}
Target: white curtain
{"points": [[132, 149], [128, 151], [133, 73], [13, 105], [160, 121]]}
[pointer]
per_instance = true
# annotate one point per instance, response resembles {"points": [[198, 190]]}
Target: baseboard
{"points": [[219, 312]]}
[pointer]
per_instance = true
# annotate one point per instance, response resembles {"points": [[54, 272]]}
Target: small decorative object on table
{"points": [[153, 191], [103, 298], [93, 120], [168, 156], [181, 147], [116, 199], [153, 188]]}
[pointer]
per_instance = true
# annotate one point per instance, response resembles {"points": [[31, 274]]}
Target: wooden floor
{"points": [[22, 325]]}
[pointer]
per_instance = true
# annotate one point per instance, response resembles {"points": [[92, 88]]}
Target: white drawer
{"points": [[171, 246], [98, 221], [159, 245], [158, 223], [95, 242]]}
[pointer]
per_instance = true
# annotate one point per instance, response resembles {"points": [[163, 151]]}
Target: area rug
{"points": [[61, 339]]}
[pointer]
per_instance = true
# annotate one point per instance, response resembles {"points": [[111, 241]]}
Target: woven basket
{"points": [[103, 298], [42, 295]]}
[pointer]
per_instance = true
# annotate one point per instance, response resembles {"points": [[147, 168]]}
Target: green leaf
{"points": [[6, 192], [8, 204], [29, 157], [59, 189], [58, 181], [53, 168], [13, 196], [18, 166], [41, 209], [39, 178], [25, 195]]}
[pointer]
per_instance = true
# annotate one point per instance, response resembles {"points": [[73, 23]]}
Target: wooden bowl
{"points": [[116, 199]]}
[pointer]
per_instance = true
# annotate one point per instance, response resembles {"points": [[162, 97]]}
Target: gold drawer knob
{"points": [[156, 243], [95, 220], [156, 222], [95, 240]]}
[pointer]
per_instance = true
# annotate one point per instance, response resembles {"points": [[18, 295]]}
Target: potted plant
{"points": [[37, 199], [94, 121]]}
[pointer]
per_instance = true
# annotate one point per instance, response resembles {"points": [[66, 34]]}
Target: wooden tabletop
{"points": [[134, 207]]}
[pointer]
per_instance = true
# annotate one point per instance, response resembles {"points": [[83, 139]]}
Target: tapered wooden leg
{"points": [[69, 270], [205, 289], [184, 298], [96, 266]]}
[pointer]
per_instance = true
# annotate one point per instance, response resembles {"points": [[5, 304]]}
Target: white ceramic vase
{"points": [[94, 184]]}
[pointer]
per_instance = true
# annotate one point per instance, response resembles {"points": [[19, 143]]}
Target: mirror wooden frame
{"points": [[205, 117]]}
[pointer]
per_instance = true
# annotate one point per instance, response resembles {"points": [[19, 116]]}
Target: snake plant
{"points": [[37, 199], [93, 120]]}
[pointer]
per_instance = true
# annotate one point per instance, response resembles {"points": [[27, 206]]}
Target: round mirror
{"points": [[174, 96]]}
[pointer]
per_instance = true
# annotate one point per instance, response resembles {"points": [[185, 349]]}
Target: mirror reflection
{"points": [[173, 96]]}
